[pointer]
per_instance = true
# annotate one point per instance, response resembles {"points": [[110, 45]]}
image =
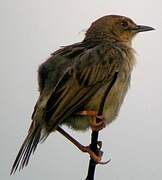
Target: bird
{"points": [[73, 79]]}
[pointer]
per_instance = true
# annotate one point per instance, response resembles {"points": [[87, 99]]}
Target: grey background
{"points": [[29, 32]]}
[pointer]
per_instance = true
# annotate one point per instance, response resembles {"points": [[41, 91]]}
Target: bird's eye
{"points": [[124, 24]]}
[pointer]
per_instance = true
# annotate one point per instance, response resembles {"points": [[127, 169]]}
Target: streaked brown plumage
{"points": [[74, 78]]}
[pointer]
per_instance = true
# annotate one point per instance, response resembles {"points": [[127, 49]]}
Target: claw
{"points": [[99, 144], [96, 158], [97, 126]]}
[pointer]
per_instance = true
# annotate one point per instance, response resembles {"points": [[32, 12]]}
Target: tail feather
{"points": [[28, 147]]}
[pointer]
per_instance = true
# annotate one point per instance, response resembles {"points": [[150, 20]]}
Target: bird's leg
{"points": [[97, 122], [87, 149]]}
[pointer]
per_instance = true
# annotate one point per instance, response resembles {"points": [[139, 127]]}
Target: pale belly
{"points": [[112, 105]]}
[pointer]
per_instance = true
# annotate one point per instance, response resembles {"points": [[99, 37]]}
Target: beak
{"points": [[141, 28]]}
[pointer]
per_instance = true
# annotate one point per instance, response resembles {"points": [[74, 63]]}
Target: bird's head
{"points": [[115, 28]]}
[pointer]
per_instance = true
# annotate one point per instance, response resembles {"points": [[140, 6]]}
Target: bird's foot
{"points": [[98, 121], [95, 156]]}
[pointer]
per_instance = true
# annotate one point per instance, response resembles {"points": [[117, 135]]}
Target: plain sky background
{"points": [[31, 30]]}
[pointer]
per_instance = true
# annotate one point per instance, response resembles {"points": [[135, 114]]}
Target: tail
{"points": [[28, 147]]}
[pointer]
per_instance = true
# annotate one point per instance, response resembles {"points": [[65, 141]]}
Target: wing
{"points": [[90, 71]]}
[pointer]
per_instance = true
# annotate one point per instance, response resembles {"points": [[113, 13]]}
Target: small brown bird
{"points": [[73, 80]]}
